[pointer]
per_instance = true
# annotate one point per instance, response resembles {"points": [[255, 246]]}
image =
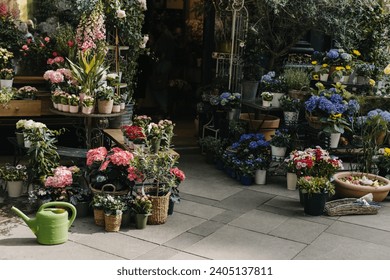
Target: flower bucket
{"points": [[314, 204], [260, 177], [334, 139], [275, 101], [291, 181], [246, 180], [234, 114], [6, 83], [141, 220], [278, 153]]}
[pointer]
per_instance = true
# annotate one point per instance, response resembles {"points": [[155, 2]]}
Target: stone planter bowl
{"points": [[347, 190]]}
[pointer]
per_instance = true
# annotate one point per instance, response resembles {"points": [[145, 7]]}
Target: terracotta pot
{"points": [[105, 106], [266, 124], [344, 189]]}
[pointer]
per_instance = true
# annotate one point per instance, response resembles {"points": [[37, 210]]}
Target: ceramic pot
{"points": [[275, 101], [260, 177], [6, 83], [324, 77], [15, 188], [59, 107], [278, 153], [55, 105], [87, 110], [291, 118], [65, 107], [116, 108], [246, 180], [334, 140], [266, 103], [73, 109], [249, 90], [234, 114], [291, 181]]}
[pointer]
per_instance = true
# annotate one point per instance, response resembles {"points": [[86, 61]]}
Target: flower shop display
{"points": [[358, 184], [15, 177], [142, 207], [109, 168], [315, 191]]}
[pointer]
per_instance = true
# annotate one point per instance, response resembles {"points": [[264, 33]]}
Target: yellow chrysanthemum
{"points": [[316, 77], [314, 62], [324, 65], [386, 152], [372, 82], [348, 67], [356, 52], [387, 70], [339, 68]]}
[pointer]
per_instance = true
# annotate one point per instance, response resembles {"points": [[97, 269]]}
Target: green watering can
{"points": [[51, 223]]}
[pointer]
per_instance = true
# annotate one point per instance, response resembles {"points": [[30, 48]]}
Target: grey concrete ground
{"points": [[218, 218]]}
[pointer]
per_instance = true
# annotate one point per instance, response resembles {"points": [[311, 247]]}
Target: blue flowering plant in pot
{"points": [[331, 108]]}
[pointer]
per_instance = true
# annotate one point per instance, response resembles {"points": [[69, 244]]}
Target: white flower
{"points": [[120, 13], [142, 45], [112, 76], [143, 4]]}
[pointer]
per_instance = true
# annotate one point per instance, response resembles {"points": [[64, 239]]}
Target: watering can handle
{"points": [[61, 204]]}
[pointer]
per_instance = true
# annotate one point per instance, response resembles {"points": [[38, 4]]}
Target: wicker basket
{"points": [[109, 189], [160, 209], [112, 222], [346, 206], [98, 215], [314, 122]]}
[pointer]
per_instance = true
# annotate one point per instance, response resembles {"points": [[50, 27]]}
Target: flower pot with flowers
{"points": [[87, 104], [267, 97], [15, 177], [280, 142], [74, 103], [276, 85], [113, 207], [298, 82], [179, 177], [167, 127], [142, 121], [6, 95], [134, 135], [153, 174], [27, 92], [64, 99], [315, 192], [154, 134], [250, 154], [291, 107], [97, 203], [105, 95], [6, 57], [142, 207], [107, 170], [325, 102], [231, 102], [116, 107], [6, 77], [335, 125]]}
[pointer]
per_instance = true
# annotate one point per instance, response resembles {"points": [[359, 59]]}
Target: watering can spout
{"points": [[27, 220]]}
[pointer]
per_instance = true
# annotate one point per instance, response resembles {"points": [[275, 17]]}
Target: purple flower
{"points": [[312, 103]]}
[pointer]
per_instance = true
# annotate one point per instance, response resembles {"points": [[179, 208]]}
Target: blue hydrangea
{"points": [[386, 116], [346, 57], [235, 145], [336, 98], [225, 95], [311, 103], [333, 54], [326, 105], [353, 106]]}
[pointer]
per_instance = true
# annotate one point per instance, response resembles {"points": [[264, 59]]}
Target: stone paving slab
{"points": [[239, 244], [183, 241], [198, 210], [159, 253], [333, 247], [206, 228], [186, 256]]}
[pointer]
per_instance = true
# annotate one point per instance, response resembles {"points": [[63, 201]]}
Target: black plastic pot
{"points": [[314, 204]]}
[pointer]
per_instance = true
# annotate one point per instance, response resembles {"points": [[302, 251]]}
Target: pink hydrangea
{"points": [[135, 175], [121, 158], [97, 154], [179, 174], [62, 177]]}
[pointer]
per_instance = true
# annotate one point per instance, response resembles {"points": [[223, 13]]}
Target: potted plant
{"points": [[153, 134], [142, 207], [279, 142], [105, 95], [276, 85], [6, 77], [14, 176], [231, 102], [113, 79], [210, 147], [267, 97], [80, 196], [113, 208], [134, 135], [6, 95], [116, 107], [97, 204], [74, 101], [87, 104], [291, 107], [315, 191], [298, 82], [64, 99], [335, 125], [27, 92]]}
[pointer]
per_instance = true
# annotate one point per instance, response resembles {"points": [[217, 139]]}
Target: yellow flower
{"points": [[339, 68], [372, 82], [386, 152], [356, 52], [314, 62], [316, 77], [348, 67], [387, 70], [324, 65], [335, 116]]}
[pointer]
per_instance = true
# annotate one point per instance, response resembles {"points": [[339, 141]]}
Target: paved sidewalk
{"points": [[218, 218]]}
